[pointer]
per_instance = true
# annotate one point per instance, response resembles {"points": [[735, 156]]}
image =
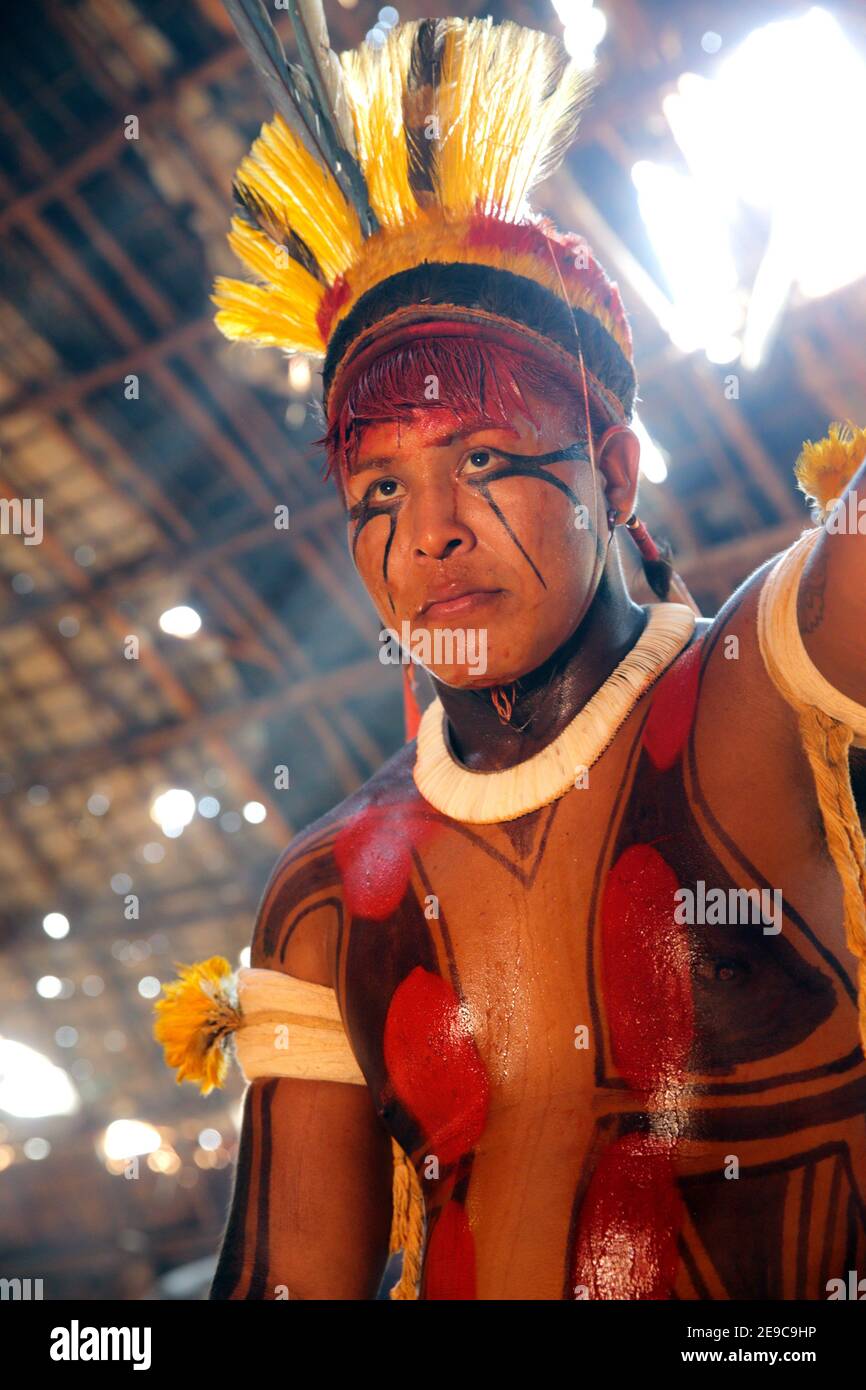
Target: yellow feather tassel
{"points": [[824, 469], [194, 1021]]}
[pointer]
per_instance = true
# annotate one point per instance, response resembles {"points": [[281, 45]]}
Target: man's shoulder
{"points": [[741, 719], [301, 910], [732, 633], [316, 840], [744, 599]]}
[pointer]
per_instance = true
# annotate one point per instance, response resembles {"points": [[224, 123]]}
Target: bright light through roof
{"points": [[31, 1086], [652, 460], [172, 810], [126, 1138], [693, 246], [56, 925], [584, 26], [300, 374], [781, 129], [180, 622]]}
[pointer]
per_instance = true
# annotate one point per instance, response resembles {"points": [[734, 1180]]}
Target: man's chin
{"points": [[470, 658], [459, 678], [467, 678]]}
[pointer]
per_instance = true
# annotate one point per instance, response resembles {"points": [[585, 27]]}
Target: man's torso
{"points": [[605, 1097]]}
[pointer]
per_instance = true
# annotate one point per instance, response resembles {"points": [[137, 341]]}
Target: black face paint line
{"points": [[392, 531], [570, 451], [482, 487], [527, 466], [362, 513]]}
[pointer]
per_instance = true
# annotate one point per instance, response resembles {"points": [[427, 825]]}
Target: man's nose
{"points": [[438, 530]]}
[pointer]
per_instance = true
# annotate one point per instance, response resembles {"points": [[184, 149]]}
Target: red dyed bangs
{"points": [[475, 379]]}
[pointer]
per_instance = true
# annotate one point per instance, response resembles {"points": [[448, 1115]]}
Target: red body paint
{"points": [[629, 1223], [626, 1244], [373, 853], [673, 709], [434, 1066], [449, 1264], [646, 970]]}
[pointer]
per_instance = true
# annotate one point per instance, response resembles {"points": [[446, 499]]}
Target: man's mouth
{"points": [[455, 601]]}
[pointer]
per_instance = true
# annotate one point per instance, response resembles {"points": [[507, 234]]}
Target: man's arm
{"points": [[831, 603], [311, 1210]]}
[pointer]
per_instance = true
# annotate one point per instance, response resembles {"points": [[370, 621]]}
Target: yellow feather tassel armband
{"points": [[277, 1025], [274, 1024], [824, 469], [195, 1021]]}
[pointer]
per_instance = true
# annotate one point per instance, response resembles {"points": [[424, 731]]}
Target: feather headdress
{"points": [[392, 184]]}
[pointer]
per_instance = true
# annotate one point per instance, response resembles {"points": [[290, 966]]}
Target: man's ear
{"points": [[617, 453]]}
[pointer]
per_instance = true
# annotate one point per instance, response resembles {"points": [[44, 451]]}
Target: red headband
{"points": [[418, 321]]}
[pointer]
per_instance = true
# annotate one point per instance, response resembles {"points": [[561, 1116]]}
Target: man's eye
{"points": [[384, 495], [480, 458]]}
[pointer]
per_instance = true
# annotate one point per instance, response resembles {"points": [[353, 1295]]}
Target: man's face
{"points": [[478, 530]]}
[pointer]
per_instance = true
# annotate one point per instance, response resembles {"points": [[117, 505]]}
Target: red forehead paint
{"points": [[434, 1065]]}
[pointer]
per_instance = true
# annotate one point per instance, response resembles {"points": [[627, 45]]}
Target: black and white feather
{"points": [[309, 96]]}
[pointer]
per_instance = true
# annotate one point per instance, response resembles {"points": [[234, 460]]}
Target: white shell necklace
{"points": [[486, 798]]}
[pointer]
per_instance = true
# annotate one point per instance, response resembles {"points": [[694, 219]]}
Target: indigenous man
{"points": [[585, 954]]}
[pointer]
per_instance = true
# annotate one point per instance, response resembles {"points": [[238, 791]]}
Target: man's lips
{"points": [[457, 601]]}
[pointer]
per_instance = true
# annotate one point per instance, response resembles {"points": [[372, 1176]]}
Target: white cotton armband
{"points": [[291, 1027], [788, 664]]}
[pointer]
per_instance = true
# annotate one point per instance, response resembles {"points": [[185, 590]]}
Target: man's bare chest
{"points": [[587, 953], [601, 1015], [562, 1008]]}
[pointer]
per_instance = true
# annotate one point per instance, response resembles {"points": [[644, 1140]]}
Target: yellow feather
{"points": [[259, 254], [824, 469], [375, 82], [508, 106], [267, 317], [194, 1021], [303, 197]]}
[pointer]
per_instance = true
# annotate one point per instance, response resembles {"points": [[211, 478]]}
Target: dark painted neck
{"points": [[549, 697]]}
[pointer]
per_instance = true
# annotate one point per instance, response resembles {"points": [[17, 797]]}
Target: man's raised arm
{"points": [[831, 604]]}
